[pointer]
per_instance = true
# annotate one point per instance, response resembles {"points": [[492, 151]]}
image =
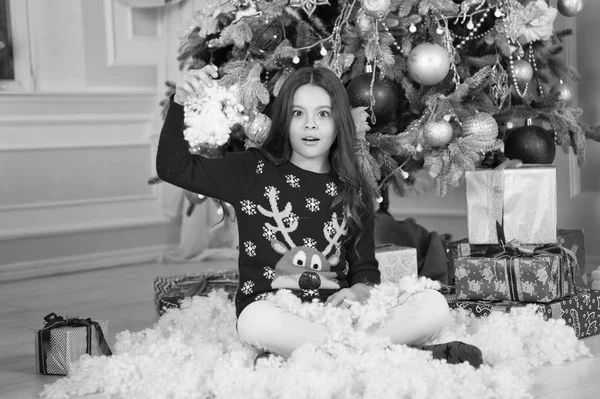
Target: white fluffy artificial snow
{"points": [[194, 353], [209, 117]]}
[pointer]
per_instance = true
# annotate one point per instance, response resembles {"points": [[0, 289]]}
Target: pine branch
{"points": [[283, 51], [235, 72], [406, 7], [238, 34], [591, 132], [471, 83], [444, 7]]}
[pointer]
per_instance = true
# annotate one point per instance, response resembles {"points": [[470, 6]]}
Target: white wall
{"points": [[77, 139]]}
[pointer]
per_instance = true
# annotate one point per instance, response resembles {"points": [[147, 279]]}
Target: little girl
{"points": [[305, 216]]}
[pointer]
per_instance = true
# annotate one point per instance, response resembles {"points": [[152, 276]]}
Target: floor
{"points": [[125, 297]]}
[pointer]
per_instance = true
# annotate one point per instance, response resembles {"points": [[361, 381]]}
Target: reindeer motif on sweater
{"points": [[303, 267]]}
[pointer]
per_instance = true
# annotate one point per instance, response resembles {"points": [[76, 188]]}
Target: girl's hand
{"points": [[193, 83], [347, 296]]}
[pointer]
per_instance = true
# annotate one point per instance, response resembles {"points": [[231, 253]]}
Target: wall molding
{"points": [[80, 263], [76, 146], [72, 119], [123, 48], [90, 201], [83, 228]]}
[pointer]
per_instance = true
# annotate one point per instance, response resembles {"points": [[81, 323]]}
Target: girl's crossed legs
{"points": [[268, 327]]}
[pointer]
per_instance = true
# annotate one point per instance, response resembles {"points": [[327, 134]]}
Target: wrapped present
{"points": [[170, 291], [574, 240], [458, 249], [543, 274], [512, 205], [179, 292], [63, 340], [581, 311], [162, 284], [396, 262]]}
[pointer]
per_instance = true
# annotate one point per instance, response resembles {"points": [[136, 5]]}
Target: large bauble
{"points": [[428, 64], [437, 133], [483, 126], [531, 144], [564, 92], [569, 8], [365, 23], [377, 8], [522, 71], [385, 93]]}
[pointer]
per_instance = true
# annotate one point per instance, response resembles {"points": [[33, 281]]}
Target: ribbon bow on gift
{"points": [[53, 321]]}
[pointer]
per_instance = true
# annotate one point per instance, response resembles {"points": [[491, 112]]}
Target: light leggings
{"points": [[267, 327]]}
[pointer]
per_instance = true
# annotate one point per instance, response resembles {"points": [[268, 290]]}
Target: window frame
{"points": [[24, 77]]}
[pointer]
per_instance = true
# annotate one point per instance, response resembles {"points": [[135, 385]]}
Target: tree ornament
{"points": [[569, 8], [428, 64], [365, 23], [257, 129], [377, 8], [267, 39], [437, 133], [564, 92], [309, 6], [385, 94], [531, 144], [521, 71], [482, 125]]}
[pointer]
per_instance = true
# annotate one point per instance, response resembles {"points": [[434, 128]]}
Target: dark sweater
{"points": [[290, 237]]}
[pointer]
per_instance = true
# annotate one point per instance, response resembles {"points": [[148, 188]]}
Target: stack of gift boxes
{"points": [[515, 256]]}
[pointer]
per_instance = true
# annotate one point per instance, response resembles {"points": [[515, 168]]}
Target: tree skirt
{"points": [[194, 353]]}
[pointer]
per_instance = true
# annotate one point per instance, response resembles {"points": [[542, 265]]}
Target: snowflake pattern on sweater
{"points": [[291, 237]]}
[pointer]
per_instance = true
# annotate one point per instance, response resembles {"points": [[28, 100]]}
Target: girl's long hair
{"points": [[356, 196]]}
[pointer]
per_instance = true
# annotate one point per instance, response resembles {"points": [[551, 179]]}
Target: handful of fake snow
{"points": [[210, 116]]}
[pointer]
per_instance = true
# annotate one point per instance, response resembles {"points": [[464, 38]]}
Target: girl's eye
{"points": [[297, 113], [324, 114]]}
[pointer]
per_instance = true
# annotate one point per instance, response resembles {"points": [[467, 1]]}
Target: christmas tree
{"points": [[441, 85]]}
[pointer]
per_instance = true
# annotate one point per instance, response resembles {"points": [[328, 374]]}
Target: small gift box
{"points": [[581, 311], [180, 291], [63, 340], [512, 205], [170, 291], [396, 262], [162, 284], [541, 275]]}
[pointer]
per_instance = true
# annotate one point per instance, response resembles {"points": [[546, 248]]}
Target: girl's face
{"points": [[311, 131]]}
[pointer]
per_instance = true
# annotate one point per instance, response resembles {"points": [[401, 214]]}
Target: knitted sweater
{"points": [[290, 236]]}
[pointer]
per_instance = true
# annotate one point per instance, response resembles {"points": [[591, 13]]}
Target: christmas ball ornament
{"points": [[437, 133], [365, 23], [564, 92], [531, 144], [521, 71], [483, 126], [569, 8], [428, 64], [268, 38], [385, 93], [257, 129], [377, 8]]}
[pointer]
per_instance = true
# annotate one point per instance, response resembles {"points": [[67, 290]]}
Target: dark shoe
{"points": [[455, 352]]}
